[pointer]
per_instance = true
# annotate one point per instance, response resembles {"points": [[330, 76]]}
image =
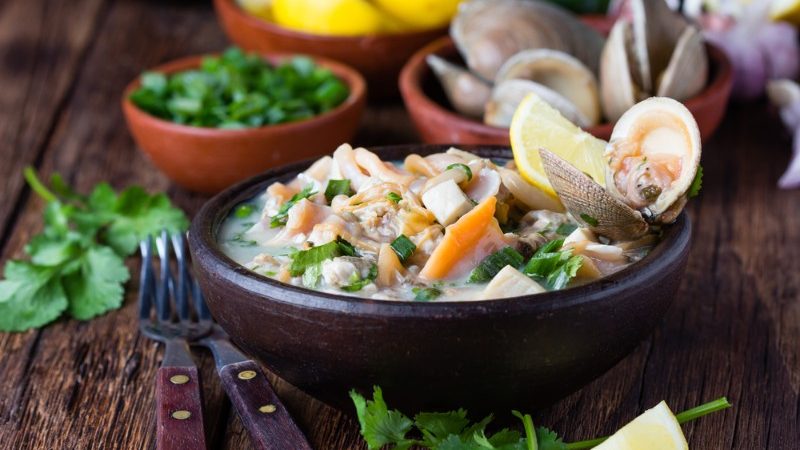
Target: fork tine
{"points": [[200, 301], [181, 292], [146, 279], [163, 306]]}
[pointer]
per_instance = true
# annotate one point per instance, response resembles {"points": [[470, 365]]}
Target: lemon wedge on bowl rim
{"points": [[786, 10], [656, 429], [537, 125]]}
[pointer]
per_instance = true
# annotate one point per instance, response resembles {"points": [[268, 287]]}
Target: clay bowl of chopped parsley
{"points": [[485, 355], [210, 121]]}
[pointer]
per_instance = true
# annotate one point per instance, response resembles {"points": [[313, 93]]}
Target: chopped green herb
{"points": [[403, 247], [244, 211], [241, 90], [279, 219], [312, 275], [589, 219], [565, 229], [394, 197], [270, 273], [463, 167], [302, 260], [426, 294], [494, 263], [345, 247], [337, 187], [697, 183], [241, 241], [553, 267], [357, 283]]}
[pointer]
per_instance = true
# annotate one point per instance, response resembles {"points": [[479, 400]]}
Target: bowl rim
{"points": [[206, 251], [410, 82], [354, 80], [231, 8]]}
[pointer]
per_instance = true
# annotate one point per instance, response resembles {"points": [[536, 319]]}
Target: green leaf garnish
{"points": [[279, 219], [357, 283], [337, 187], [697, 183], [244, 211], [494, 263], [394, 197], [463, 167], [565, 229], [425, 294], [304, 259], [589, 219], [403, 247], [553, 267]]}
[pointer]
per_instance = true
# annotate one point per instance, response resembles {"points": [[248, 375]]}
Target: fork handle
{"points": [[179, 420], [269, 424]]}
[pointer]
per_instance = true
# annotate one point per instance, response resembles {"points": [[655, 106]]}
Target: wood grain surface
{"points": [[734, 329]]}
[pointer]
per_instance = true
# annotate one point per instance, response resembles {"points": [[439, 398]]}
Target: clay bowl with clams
{"points": [[437, 122], [378, 57], [211, 159], [488, 355]]}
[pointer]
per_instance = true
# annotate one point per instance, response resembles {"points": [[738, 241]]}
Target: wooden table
{"points": [[734, 328]]}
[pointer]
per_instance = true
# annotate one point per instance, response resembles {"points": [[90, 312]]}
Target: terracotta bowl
{"points": [[210, 159], [437, 122], [379, 58], [486, 355]]}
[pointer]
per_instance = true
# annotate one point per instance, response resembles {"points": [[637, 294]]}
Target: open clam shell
{"points": [[467, 92], [560, 72], [590, 203], [618, 89], [508, 94], [656, 31], [687, 72]]}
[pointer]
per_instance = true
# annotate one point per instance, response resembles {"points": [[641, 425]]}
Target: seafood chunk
{"points": [[447, 202], [510, 282]]}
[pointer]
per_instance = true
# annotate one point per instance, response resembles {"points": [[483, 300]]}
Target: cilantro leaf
{"points": [[30, 296], [379, 425], [549, 440], [436, 427], [304, 259], [358, 283], [137, 215], [97, 286], [697, 183], [552, 266], [279, 219]]}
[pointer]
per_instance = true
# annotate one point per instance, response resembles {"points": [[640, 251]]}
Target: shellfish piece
{"points": [[507, 95], [526, 193], [590, 203], [560, 72], [488, 32], [687, 72], [618, 89], [467, 92], [653, 156], [656, 31]]}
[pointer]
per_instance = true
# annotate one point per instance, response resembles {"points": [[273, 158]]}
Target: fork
{"points": [[164, 316], [267, 421]]}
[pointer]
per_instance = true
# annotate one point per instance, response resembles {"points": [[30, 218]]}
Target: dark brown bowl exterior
{"points": [[211, 159], [379, 58], [485, 355], [437, 122]]}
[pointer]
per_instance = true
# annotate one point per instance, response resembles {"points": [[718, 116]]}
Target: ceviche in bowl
{"points": [[444, 267]]}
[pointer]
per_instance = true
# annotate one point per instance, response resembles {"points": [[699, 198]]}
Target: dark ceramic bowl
{"points": [[211, 159], [437, 122], [486, 355], [379, 58]]}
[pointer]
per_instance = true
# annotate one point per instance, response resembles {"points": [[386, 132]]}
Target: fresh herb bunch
{"points": [[241, 90], [77, 262], [452, 430]]}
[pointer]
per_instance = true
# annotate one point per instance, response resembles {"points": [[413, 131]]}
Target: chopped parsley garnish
{"points": [[304, 259], [357, 283], [279, 219], [589, 219], [403, 247], [553, 267], [312, 275], [244, 211], [337, 187], [697, 183], [463, 167], [494, 263], [394, 197], [426, 294], [565, 229]]}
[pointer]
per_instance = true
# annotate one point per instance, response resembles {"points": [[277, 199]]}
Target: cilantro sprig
{"points": [[282, 216], [452, 430], [76, 264]]}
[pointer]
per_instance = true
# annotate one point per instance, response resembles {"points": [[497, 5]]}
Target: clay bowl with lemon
{"points": [[354, 32]]}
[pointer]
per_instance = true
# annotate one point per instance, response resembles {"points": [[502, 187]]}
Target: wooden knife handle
{"points": [[179, 410], [269, 424]]}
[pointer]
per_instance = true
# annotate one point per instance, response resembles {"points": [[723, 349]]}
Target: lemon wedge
{"points": [[259, 8], [786, 10], [537, 125], [656, 429]]}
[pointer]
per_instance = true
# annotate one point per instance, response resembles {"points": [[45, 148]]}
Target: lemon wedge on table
{"points": [[329, 17], [656, 429], [537, 125], [786, 10]]}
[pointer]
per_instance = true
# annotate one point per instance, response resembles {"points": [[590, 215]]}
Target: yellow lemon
{"points": [[656, 429], [259, 8], [420, 14], [537, 125], [332, 17], [786, 10]]}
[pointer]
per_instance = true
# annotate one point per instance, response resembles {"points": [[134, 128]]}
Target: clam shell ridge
{"points": [[590, 203]]}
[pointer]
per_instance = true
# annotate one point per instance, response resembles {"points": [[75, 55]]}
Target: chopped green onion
{"points": [[425, 294], [552, 266], [565, 229], [244, 211], [357, 283], [337, 187], [589, 219], [494, 263], [463, 167], [279, 219], [304, 259], [394, 197], [403, 247]]}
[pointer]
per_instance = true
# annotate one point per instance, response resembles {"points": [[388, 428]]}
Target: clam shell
{"points": [[618, 89], [687, 72], [588, 201], [560, 72], [507, 95], [488, 32], [656, 30], [467, 92], [783, 93]]}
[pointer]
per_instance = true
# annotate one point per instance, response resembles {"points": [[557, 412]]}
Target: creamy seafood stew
{"points": [[448, 226]]}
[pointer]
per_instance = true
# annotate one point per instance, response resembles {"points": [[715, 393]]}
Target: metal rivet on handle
{"points": [[268, 409], [247, 374], [179, 379], [181, 414]]}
